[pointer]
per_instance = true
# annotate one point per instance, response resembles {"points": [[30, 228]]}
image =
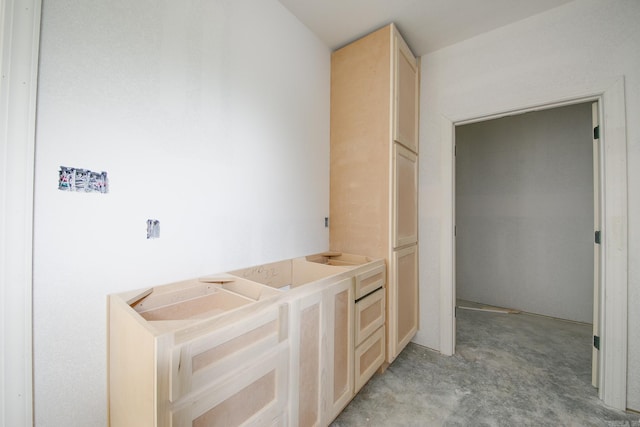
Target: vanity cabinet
{"points": [[374, 168], [190, 354], [268, 345]]}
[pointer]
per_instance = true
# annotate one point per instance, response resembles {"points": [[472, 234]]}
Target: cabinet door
{"points": [[406, 88], [339, 334], [403, 300], [306, 360], [405, 197]]}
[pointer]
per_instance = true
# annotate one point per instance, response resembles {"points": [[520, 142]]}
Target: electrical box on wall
{"points": [[82, 180], [153, 229]]}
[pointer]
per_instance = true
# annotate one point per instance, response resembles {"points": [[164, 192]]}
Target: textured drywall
{"points": [[579, 48], [211, 117]]}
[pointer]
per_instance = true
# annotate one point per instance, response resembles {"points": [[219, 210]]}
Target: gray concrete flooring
{"points": [[508, 370]]}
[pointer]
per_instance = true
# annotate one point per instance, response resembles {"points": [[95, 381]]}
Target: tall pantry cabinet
{"points": [[374, 168]]}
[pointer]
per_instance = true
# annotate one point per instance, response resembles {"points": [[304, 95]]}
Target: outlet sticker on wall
{"points": [[83, 180]]}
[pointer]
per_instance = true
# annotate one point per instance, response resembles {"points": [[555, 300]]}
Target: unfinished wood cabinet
{"points": [[374, 166], [266, 345], [190, 353]]}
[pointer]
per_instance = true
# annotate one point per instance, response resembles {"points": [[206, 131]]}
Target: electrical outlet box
{"points": [[153, 229]]}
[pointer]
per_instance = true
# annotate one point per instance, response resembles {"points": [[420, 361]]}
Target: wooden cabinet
{"points": [[374, 167], [168, 367], [237, 349]]}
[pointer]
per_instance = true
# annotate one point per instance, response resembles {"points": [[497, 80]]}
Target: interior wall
{"points": [[211, 117], [524, 212], [577, 48]]}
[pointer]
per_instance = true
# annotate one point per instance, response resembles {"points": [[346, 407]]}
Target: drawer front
{"points": [[369, 357], [370, 315], [255, 396], [201, 362], [370, 280]]}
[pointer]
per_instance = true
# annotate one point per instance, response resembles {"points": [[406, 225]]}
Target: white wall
{"points": [[212, 117], [524, 212], [558, 54]]}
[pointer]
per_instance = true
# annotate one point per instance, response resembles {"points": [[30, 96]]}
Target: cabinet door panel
{"points": [[405, 123], [306, 360], [403, 312], [405, 200], [339, 332]]}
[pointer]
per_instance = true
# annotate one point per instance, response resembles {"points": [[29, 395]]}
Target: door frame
{"points": [[19, 49], [614, 220]]}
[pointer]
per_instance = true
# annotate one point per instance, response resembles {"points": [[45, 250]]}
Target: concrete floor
{"points": [[508, 370]]}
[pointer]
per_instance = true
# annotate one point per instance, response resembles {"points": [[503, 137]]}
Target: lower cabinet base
{"points": [[226, 350]]}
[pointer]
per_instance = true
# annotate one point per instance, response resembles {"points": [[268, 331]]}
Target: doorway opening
{"points": [[526, 207], [613, 310]]}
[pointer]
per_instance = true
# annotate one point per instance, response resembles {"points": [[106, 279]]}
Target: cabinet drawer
{"points": [[369, 315], [254, 396], [201, 362], [370, 280], [369, 357]]}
